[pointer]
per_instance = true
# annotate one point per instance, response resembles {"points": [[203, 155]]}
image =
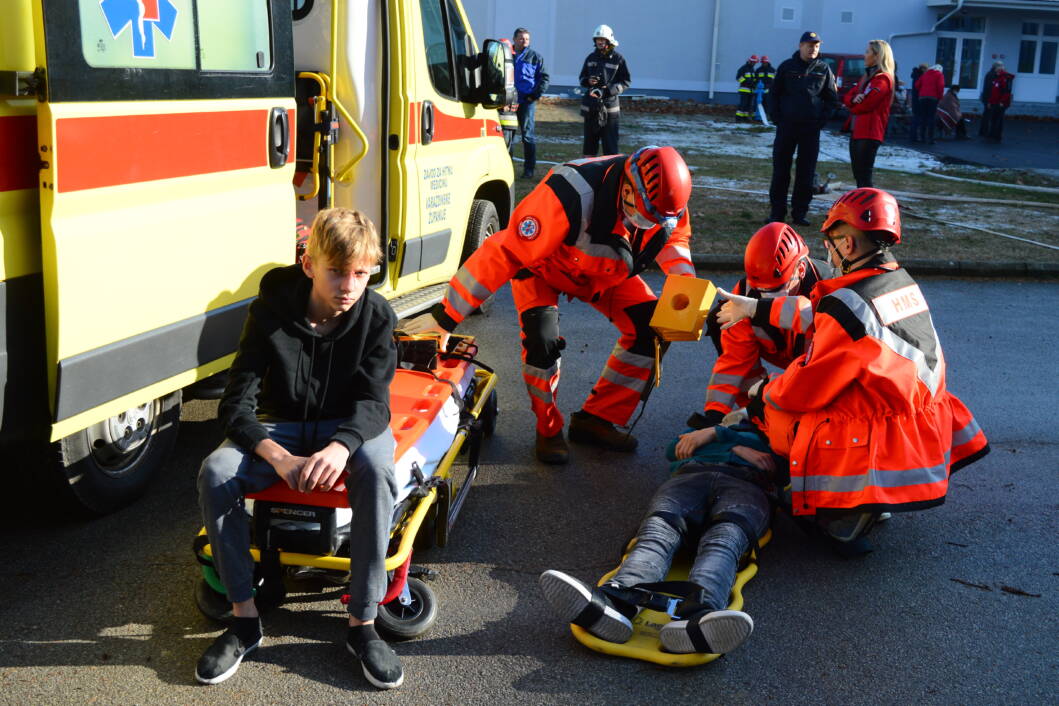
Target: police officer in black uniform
{"points": [[802, 98]]}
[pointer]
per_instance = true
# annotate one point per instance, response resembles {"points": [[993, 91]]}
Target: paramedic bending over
{"points": [[308, 397]]}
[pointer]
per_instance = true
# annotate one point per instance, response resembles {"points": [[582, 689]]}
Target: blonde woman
{"points": [[869, 103]]}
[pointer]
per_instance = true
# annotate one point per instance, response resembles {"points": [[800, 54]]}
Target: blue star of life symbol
{"points": [[143, 16]]}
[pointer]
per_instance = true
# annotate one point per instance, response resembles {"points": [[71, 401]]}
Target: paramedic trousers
{"points": [[628, 372], [711, 502], [229, 474], [805, 138]]}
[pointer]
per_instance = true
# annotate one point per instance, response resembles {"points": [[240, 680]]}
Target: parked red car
{"points": [[847, 68]]}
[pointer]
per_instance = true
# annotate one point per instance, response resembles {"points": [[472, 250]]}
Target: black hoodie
{"points": [[285, 370]]}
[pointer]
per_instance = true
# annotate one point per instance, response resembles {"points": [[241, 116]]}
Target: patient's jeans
{"points": [[702, 502]]}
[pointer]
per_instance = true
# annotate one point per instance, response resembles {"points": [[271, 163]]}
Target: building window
{"points": [[787, 14], [846, 17], [962, 23], [960, 59], [1037, 51]]}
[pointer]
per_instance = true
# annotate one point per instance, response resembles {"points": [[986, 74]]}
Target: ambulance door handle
{"points": [[426, 122], [278, 138]]}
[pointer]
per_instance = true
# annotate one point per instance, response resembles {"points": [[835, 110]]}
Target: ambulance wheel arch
{"points": [[111, 463]]}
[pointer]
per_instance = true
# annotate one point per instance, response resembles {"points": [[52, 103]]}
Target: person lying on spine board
{"points": [[717, 499]]}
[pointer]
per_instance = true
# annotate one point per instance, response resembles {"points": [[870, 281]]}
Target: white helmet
{"points": [[605, 32]]}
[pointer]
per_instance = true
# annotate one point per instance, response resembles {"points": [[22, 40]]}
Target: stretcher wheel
{"points": [[489, 414], [403, 622], [212, 604]]}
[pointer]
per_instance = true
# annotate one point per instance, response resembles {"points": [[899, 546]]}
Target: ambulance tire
{"points": [[100, 474], [400, 622], [482, 223]]}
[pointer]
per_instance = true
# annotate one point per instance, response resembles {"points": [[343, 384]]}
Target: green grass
{"points": [[722, 221]]}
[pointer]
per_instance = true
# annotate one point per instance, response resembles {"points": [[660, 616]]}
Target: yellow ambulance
{"points": [[156, 157]]}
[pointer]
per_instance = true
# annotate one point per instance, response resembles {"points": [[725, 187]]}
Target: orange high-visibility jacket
{"points": [[745, 345], [864, 415], [567, 231]]}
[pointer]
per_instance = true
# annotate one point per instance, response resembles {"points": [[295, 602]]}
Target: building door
{"points": [[1035, 79], [961, 60]]}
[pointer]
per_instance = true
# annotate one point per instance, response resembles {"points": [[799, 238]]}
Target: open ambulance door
{"points": [[165, 140]]}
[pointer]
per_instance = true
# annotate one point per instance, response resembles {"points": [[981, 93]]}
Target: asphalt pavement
{"points": [[958, 604], [1026, 144]]}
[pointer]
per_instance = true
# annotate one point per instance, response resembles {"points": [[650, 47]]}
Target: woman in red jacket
{"points": [[931, 87], [869, 103]]}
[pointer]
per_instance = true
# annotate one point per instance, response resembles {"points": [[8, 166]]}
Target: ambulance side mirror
{"points": [[497, 64]]}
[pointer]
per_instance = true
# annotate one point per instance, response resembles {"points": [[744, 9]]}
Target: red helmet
{"points": [[764, 59], [772, 256], [662, 184], [867, 209], [753, 59]]}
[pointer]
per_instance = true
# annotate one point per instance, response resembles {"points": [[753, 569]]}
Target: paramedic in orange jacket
{"points": [[587, 230], [864, 415], [777, 264]]}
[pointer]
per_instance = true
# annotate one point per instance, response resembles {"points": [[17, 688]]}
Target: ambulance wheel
{"points": [[482, 223], [403, 622], [212, 604], [490, 412], [111, 463]]}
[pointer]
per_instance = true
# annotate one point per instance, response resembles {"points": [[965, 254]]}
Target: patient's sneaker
{"points": [[222, 658], [587, 428], [716, 632], [577, 603], [378, 660]]}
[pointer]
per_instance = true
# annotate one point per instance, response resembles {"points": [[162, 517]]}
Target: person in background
{"points": [[996, 97], [802, 98], [766, 74], [930, 87], [746, 77], [604, 76], [531, 80], [913, 104], [949, 114], [869, 104]]}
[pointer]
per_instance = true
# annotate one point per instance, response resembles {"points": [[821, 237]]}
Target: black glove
{"points": [[704, 420]]}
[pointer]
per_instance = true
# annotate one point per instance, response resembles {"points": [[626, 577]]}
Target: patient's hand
{"points": [[693, 440], [760, 459]]}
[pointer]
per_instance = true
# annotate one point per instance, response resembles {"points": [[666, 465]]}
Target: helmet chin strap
{"points": [[850, 265]]}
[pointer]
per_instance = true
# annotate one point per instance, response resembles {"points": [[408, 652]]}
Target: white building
{"points": [[692, 48]]}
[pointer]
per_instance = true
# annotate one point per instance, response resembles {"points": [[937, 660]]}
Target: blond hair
{"points": [[344, 236], [885, 61]]}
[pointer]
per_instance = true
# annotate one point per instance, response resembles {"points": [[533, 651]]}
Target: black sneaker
{"points": [[571, 598], [222, 658], [800, 221], [378, 660]]}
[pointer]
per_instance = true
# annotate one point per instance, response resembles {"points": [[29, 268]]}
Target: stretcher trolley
{"points": [[443, 405]]}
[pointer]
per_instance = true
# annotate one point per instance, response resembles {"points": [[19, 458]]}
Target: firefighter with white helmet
{"points": [[604, 77]]}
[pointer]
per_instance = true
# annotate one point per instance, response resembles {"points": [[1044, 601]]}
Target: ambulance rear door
{"points": [[166, 149]]}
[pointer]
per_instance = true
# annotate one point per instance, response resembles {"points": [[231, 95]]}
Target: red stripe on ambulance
{"points": [[95, 152]]}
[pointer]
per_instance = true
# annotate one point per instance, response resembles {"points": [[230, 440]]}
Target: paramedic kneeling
{"points": [[308, 397], [863, 415], [716, 499]]}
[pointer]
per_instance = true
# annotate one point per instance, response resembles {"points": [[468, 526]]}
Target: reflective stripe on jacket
{"points": [[864, 415], [746, 78], [567, 231]]}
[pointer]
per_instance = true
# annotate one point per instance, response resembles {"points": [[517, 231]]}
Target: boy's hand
{"points": [[735, 309], [323, 469], [762, 460], [288, 469], [693, 440]]}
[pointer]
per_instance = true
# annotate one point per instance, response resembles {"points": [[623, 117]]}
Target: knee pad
{"points": [[679, 525], [543, 343], [640, 315]]}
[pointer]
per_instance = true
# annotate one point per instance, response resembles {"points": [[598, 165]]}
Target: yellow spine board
{"points": [[644, 643]]}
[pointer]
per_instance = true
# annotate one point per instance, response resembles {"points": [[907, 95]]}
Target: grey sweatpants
{"points": [[229, 473]]}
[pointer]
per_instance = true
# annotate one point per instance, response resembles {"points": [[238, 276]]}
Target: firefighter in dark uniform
{"points": [[802, 98], [604, 76], [766, 74], [746, 77]]}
